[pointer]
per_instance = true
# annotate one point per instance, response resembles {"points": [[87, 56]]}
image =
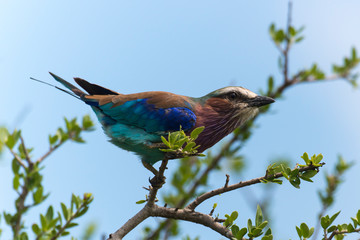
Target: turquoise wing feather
{"points": [[139, 113]]}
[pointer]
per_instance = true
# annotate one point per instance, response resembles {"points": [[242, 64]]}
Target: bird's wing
{"points": [[151, 111]]}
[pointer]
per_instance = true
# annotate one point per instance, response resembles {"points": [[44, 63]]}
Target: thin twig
{"points": [[27, 156], [337, 232], [17, 158], [218, 191], [227, 181], [61, 230], [51, 150]]}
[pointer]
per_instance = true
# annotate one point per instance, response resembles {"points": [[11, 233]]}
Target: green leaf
{"points": [[350, 228], [305, 156], [235, 229], [332, 228], [24, 236], [165, 141], [270, 84], [249, 225], [309, 173], [299, 232], [75, 200], [44, 224], [53, 139], [305, 230], [283, 172], [269, 237], [38, 195], [140, 201], [70, 225], [49, 213], [334, 217], [82, 212], [189, 146], [292, 31], [36, 229], [259, 216], [299, 39], [87, 123], [241, 233], [195, 133], [15, 166], [318, 158], [325, 222], [65, 211], [263, 224], [311, 231], [256, 232], [234, 215], [16, 181], [10, 142]]}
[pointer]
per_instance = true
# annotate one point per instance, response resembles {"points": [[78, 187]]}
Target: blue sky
{"points": [[190, 48]]}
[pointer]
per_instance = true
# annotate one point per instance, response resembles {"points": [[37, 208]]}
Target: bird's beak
{"points": [[259, 101]]}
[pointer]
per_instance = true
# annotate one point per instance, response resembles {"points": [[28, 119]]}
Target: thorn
{"points": [[148, 189], [176, 209], [227, 181], [165, 205], [212, 211]]}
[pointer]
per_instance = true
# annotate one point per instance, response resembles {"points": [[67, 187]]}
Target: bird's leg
{"points": [[150, 168], [158, 180]]}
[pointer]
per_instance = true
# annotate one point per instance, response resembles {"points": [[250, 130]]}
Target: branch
{"points": [[61, 230], [225, 189], [51, 150], [17, 158], [337, 232], [191, 216], [156, 183], [27, 156]]}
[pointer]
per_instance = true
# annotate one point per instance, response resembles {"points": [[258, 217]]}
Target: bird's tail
{"points": [[75, 92], [69, 86]]}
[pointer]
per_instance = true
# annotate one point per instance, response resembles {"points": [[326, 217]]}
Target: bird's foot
{"points": [[157, 181]]}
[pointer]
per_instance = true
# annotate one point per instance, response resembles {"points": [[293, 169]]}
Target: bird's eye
{"points": [[232, 95]]}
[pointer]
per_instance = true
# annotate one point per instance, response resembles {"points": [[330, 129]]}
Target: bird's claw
{"points": [[157, 181]]}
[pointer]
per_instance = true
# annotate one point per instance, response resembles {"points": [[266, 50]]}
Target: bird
{"points": [[135, 122]]}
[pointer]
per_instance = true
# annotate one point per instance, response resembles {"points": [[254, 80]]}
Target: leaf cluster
{"points": [[304, 232], [52, 227], [294, 176], [339, 230], [28, 181], [252, 231], [179, 142]]}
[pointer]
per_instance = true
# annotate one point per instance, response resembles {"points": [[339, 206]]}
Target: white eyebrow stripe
{"points": [[241, 90]]}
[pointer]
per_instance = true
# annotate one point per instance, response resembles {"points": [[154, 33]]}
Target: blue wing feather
{"points": [[143, 115]]}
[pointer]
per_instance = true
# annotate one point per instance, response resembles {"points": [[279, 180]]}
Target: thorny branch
{"points": [[188, 213]]}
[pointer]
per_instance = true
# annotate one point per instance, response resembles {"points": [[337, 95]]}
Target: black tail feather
{"points": [[61, 89]]}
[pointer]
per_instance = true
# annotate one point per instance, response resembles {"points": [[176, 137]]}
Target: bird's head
{"points": [[236, 102], [224, 110]]}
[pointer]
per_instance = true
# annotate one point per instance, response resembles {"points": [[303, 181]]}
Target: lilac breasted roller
{"points": [[136, 122]]}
